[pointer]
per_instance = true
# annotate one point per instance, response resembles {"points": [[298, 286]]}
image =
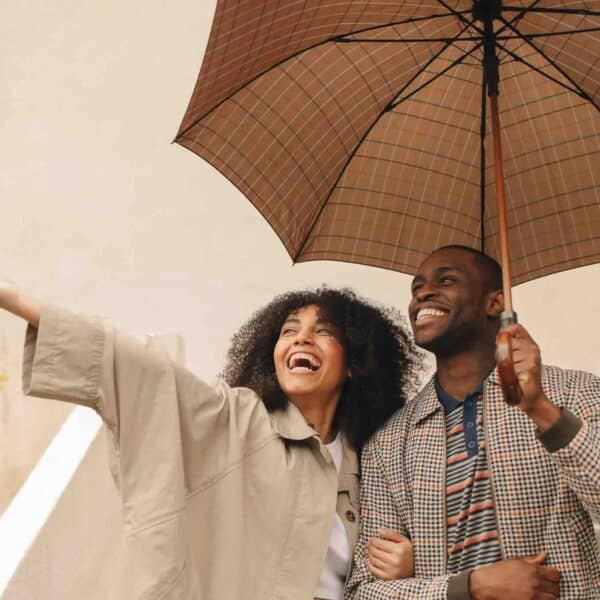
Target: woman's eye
{"points": [[324, 331], [287, 331]]}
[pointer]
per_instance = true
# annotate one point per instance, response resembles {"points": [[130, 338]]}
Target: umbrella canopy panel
{"points": [[359, 142]]}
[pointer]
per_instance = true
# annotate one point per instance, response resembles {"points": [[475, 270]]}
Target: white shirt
{"points": [[337, 560]]}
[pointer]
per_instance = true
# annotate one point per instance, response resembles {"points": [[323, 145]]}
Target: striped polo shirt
{"points": [[471, 521]]}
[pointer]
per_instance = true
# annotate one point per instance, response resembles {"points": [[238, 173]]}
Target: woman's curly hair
{"points": [[381, 355]]}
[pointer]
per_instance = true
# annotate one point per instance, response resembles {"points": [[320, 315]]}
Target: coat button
{"points": [[350, 516]]}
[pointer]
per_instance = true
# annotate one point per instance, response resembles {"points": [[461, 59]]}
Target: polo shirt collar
{"points": [[448, 402]]}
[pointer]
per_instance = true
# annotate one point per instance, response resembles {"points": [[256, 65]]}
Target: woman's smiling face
{"points": [[309, 358]]}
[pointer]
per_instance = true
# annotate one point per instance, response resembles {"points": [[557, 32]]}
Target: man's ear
{"points": [[494, 304]]}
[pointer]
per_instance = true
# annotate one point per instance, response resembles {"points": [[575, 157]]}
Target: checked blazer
{"points": [[545, 495]]}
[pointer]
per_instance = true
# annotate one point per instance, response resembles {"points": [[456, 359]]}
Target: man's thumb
{"points": [[538, 559]]}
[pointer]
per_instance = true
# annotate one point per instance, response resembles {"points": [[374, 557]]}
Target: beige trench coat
{"points": [[222, 500]]}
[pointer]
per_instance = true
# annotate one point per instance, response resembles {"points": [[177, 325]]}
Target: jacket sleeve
{"points": [[379, 510], [167, 426], [574, 442]]}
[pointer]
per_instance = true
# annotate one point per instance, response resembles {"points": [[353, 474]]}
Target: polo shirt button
{"points": [[471, 444], [350, 516]]}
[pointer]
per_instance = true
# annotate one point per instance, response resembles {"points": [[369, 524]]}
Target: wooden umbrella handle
{"points": [[506, 370]]}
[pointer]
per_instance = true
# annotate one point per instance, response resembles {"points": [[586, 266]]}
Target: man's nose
{"points": [[426, 291]]}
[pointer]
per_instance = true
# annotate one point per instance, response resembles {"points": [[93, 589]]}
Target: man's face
{"points": [[448, 309]]}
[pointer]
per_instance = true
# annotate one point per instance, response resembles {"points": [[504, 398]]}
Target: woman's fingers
{"points": [[393, 536], [379, 554], [378, 562], [379, 573]]}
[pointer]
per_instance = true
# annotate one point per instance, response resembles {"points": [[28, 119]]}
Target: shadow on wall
{"points": [[75, 554]]}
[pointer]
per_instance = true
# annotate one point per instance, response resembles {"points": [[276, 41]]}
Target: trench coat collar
{"points": [[350, 464], [289, 423]]}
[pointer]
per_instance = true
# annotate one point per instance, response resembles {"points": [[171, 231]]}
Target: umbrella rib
{"points": [[390, 106], [581, 91], [335, 38], [522, 11], [466, 39], [520, 59], [453, 64], [561, 11]]}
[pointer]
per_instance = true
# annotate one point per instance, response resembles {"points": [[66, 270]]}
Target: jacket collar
{"points": [[428, 402], [289, 423], [350, 465]]}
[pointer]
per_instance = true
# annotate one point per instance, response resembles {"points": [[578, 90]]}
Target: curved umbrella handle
{"points": [[506, 370]]}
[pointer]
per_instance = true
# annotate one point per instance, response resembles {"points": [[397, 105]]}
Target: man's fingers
{"points": [[393, 536], [517, 331]]}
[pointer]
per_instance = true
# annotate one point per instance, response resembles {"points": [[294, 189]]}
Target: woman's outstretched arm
{"points": [[14, 302]]}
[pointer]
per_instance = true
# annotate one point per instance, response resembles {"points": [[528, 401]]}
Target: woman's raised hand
{"points": [[390, 556], [13, 301]]}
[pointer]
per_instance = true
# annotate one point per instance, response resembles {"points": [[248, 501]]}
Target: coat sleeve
{"points": [[170, 431], [574, 442], [379, 510]]}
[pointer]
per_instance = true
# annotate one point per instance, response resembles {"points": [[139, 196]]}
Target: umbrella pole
{"points": [[487, 10], [501, 197]]}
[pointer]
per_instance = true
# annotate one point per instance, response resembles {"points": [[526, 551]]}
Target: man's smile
{"points": [[425, 315]]}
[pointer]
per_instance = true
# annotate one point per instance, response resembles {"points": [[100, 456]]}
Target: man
{"points": [[497, 500]]}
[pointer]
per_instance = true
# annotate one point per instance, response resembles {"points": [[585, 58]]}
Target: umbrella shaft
{"points": [[502, 220]]}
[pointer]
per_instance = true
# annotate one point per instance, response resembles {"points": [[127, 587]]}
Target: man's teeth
{"points": [[301, 362], [429, 312]]}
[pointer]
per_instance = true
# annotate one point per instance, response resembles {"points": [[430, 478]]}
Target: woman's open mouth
{"points": [[303, 362]]}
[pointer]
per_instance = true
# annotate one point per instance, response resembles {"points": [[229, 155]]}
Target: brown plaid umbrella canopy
{"points": [[359, 128]]}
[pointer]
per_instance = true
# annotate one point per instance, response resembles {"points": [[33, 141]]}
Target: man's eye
{"points": [[447, 280], [416, 288]]}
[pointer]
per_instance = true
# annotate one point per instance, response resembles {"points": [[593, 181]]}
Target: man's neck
{"points": [[461, 374]]}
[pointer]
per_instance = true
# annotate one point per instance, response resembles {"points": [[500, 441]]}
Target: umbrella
{"points": [[361, 130]]}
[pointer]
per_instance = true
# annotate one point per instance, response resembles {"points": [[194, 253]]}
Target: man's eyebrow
{"points": [[441, 270]]}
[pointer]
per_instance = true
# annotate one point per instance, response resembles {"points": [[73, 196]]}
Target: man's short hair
{"points": [[490, 269]]}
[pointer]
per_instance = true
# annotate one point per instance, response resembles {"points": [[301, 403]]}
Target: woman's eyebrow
{"points": [[291, 319]]}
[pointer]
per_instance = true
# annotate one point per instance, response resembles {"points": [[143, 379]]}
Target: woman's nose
{"points": [[303, 337]]}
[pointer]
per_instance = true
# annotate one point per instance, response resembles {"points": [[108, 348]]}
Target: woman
{"points": [[231, 492]]}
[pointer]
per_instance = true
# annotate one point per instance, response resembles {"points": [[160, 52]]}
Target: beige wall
{"points": [[101, 213]]}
